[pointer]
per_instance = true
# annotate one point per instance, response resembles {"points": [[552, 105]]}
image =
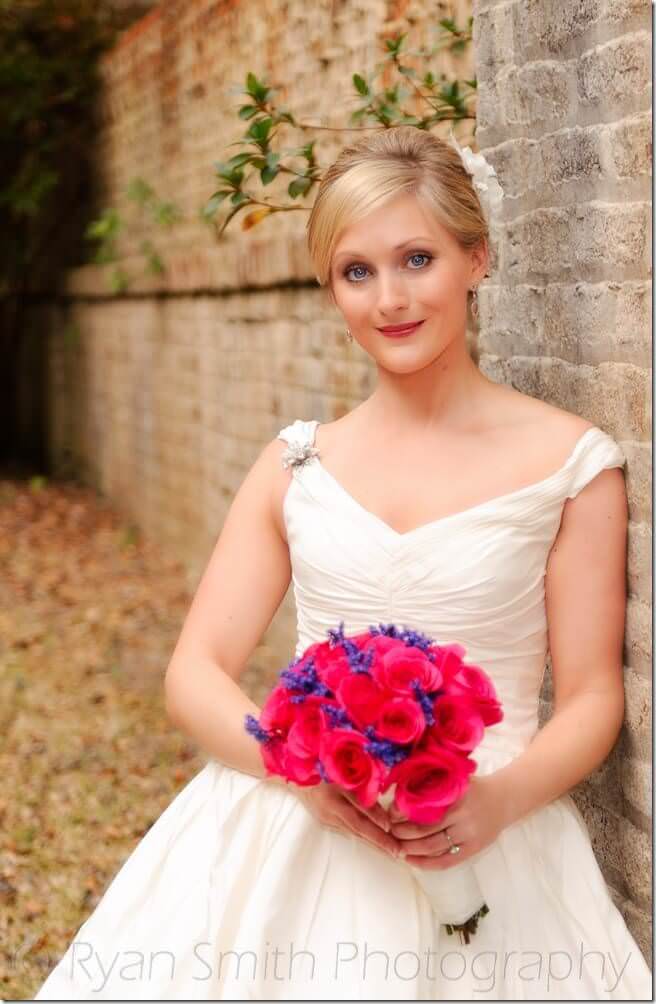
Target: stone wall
{"points": [[564, 99], [165, 395]]}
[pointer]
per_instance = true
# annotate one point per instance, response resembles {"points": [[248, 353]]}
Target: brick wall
{"points": [[165, 396]]}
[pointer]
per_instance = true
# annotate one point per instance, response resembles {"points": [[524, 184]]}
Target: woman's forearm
{"points": [[575, 741], [209, 706]]}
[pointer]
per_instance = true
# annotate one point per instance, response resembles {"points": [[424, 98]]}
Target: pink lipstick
{"points": [[400, 330]]}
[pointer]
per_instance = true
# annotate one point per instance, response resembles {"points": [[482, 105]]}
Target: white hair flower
{"points": [[484, 177]]}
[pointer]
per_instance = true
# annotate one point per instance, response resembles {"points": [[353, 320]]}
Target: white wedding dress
{"points": [[237, 893]]}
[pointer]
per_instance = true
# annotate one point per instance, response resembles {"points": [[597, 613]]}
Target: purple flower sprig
{"points": [[425, 701], [405, 634], [336, 635], [256, 730], [321, 771], [337, 717], [358, 660], [306, 680], [386, 750]]}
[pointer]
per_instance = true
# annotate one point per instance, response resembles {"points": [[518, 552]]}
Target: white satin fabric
{"points": [[237, 893]]}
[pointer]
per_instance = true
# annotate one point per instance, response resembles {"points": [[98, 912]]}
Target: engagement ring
{"points": [[453, 848]]}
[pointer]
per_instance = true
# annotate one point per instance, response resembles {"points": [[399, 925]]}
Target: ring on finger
{"points": [[453, 848]]}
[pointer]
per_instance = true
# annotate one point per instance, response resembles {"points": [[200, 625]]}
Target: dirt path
{"points": [[89, 616]]}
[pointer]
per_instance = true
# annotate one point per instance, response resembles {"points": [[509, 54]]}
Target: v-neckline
{"points": [[422, 527]]}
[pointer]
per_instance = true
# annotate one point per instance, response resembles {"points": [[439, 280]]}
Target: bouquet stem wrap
{"points": [[454, 894]]}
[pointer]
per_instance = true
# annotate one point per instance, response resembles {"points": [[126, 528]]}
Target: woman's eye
{"points": [[420, 254], [352, 269]]}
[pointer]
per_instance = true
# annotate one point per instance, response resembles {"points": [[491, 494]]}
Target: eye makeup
{"points": [[412, 254]]}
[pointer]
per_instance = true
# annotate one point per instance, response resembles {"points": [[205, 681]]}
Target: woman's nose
{"points": [[392, 293]]}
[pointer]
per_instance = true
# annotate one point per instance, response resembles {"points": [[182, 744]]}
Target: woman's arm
{"points": [[586, 600], [586, 608], [242, 587]]}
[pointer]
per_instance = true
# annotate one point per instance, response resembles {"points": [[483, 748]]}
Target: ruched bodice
{"points": [[476, 577]]}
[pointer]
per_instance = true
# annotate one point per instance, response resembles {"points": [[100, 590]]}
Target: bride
{"points": [[444, 502]]}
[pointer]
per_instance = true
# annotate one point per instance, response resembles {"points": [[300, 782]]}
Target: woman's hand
{"points": [[474, 822], [337, 810]]}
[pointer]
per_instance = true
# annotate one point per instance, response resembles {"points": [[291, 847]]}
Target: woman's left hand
{"points": [[474, 822]]}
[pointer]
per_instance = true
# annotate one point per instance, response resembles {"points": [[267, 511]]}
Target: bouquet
{"points": [[389, 716]]}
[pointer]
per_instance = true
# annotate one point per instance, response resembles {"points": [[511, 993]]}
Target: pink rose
{"points": [[293, 750], [348, 764], [401, 720], [278, 713], [458, 724], [301, 770], [278, 760], [382, 643], [332, 666], [448, 659], [474, 683], [274, 754], [402, 666], [428, 783], [304, 735], [361, 698]]}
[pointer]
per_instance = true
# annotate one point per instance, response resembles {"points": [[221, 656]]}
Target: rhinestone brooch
{"points": [[298, 454]]}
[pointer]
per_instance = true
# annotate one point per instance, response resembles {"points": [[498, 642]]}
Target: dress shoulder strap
{"points": [[300, 439], [594, 452]]}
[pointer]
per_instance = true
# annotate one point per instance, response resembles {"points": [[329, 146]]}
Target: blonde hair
{"points": [[384, 164]]}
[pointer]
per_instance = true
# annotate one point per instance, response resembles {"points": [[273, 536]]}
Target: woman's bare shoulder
{"points": [[546, 421]]}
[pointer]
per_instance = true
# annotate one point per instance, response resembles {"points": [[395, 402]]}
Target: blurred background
{"points": [[160, 322]]}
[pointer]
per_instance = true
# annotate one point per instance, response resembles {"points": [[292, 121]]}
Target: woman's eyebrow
{"points": [[397, 247]]}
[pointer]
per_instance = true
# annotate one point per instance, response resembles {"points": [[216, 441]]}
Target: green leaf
{"points": [[154, 262], [118, 280], [360, 84], [219, 196], [260, 130], [239, 159], [299, 186], [139, 191], [256, 88], [268, 173], [107, 225], [233, 175], [239, 198], [233, 212], [395, 44], [247, 111], [166, 214]]}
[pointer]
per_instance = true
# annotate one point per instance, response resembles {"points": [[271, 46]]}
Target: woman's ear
{"points": [[480, 261]]}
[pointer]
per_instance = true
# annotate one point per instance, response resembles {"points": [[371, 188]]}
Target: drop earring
{"points": [[349, 336], [474, 302]]}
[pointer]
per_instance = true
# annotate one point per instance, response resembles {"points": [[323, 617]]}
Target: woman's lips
{"points": [[401, 330]]}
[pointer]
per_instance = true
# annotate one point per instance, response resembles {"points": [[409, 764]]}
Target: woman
{"points": [[455, 506]]}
